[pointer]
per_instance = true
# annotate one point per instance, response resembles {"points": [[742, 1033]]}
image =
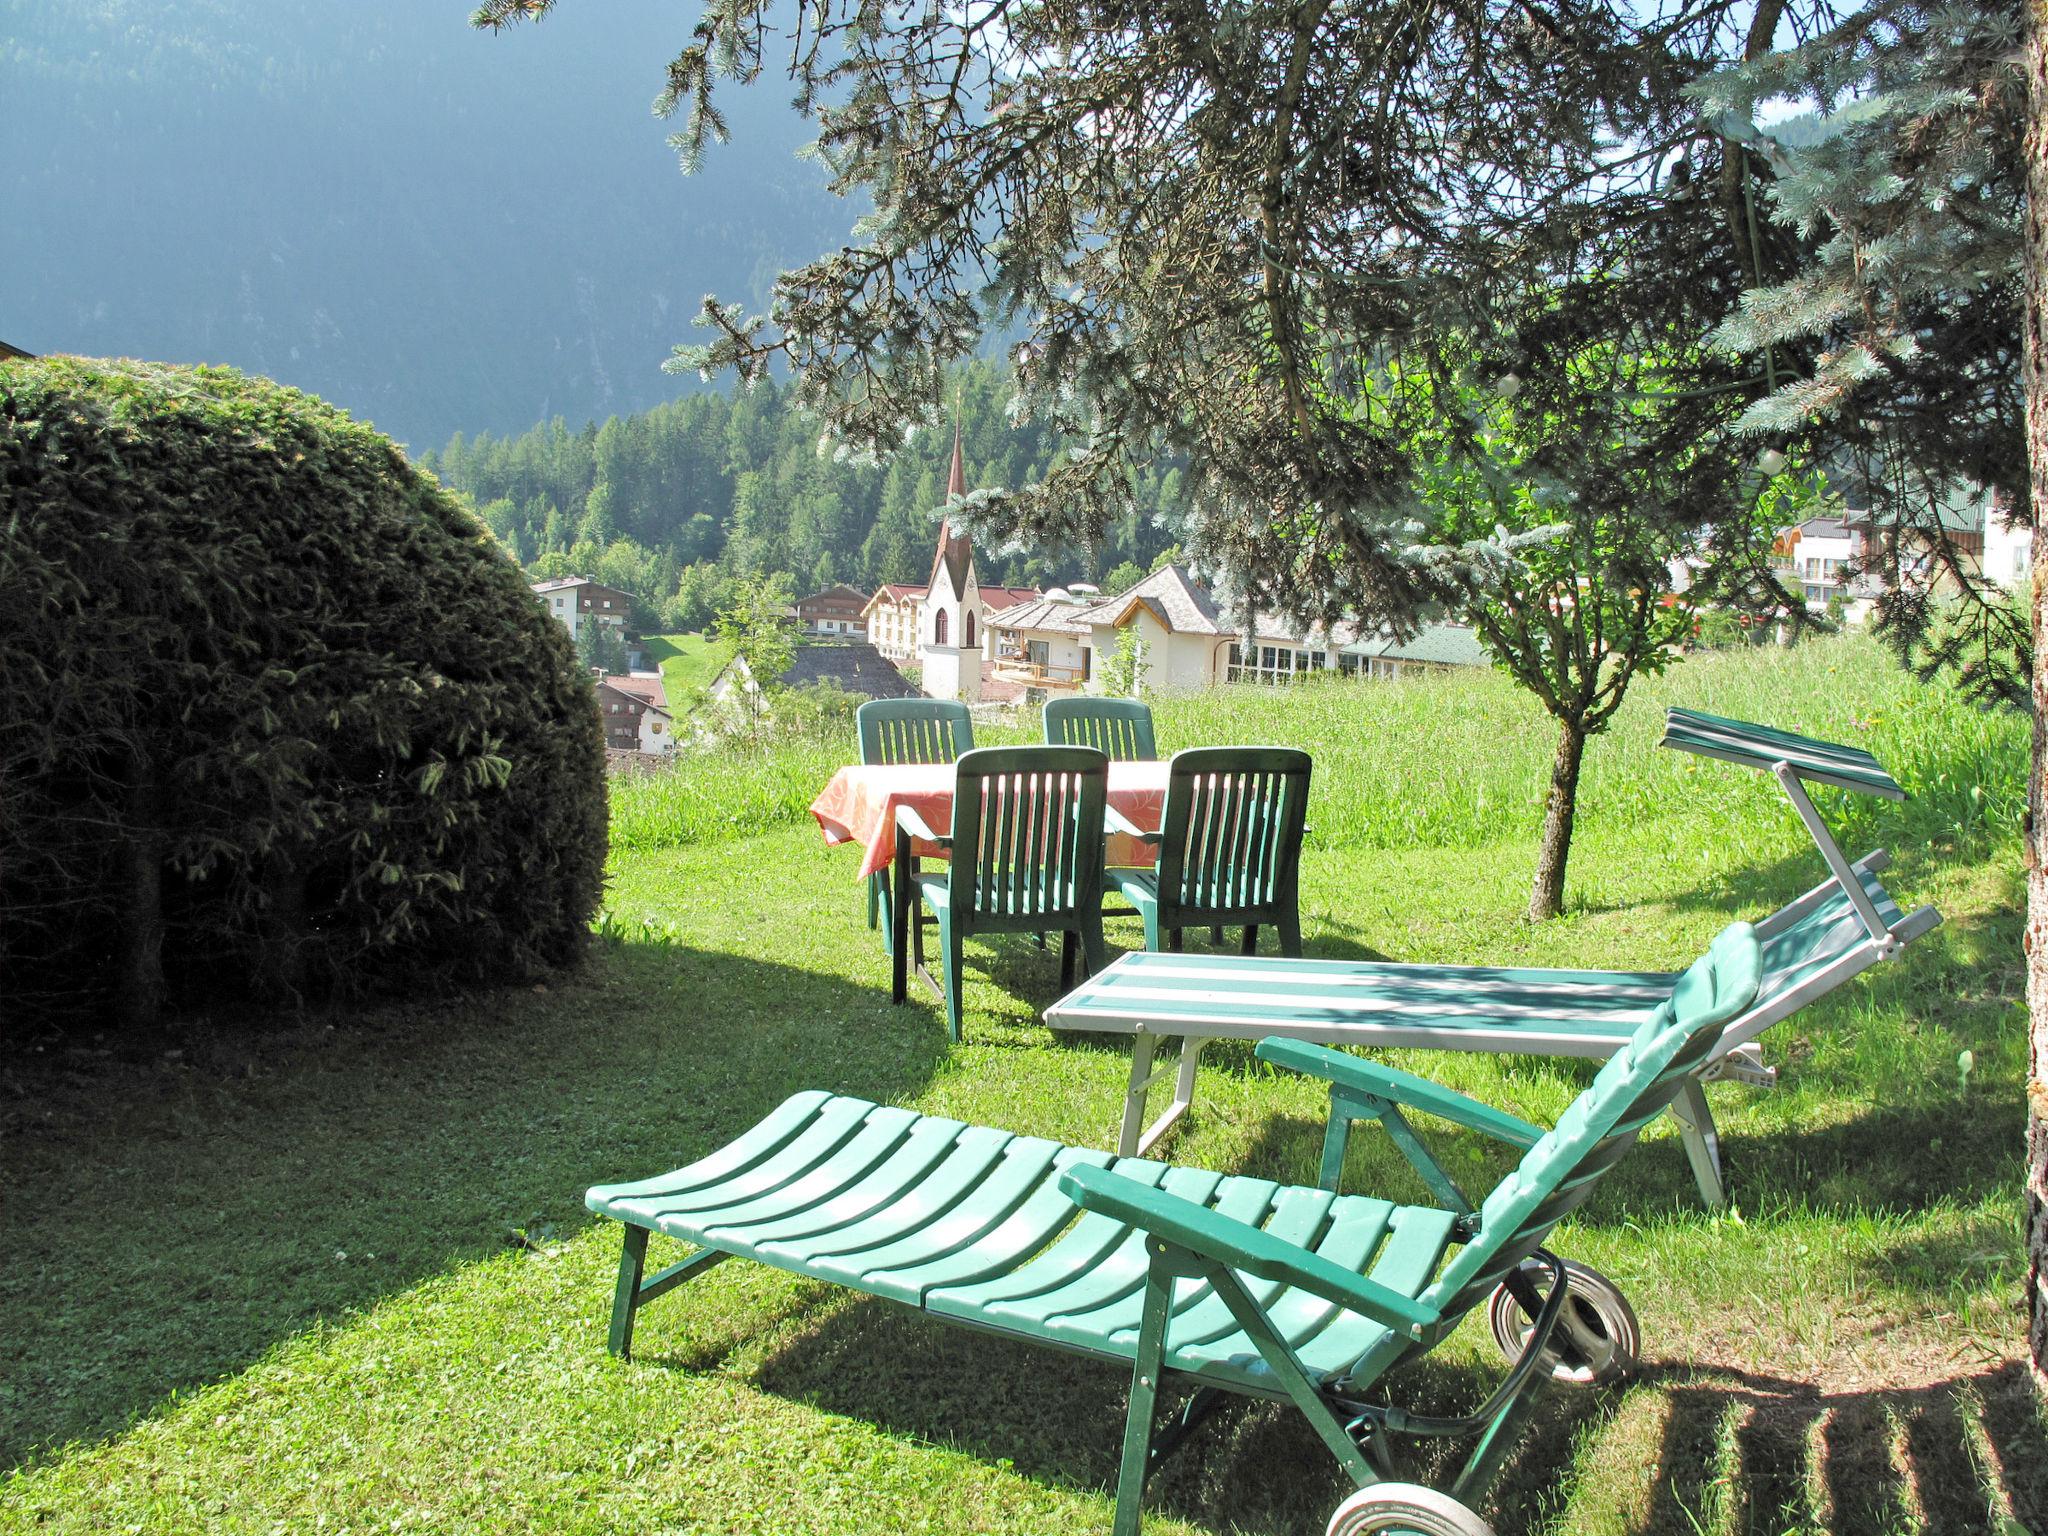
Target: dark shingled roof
{"points": [[854, 665]]}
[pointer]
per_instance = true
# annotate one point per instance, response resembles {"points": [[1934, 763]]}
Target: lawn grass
{"points": [[271, 1281]]}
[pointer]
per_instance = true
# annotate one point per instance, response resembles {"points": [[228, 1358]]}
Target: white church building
{"points": [[942, 627]]}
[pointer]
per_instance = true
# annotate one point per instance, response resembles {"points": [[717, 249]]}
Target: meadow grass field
{"points": [[687, 663], [335, 1275]]}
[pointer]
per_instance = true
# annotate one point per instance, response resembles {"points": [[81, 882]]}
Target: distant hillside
{"points": [[673, 503], [439, 229]]}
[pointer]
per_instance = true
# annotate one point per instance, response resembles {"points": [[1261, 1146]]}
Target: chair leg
{"points": [[1069, 943], [626, 1299], [1216, 935], [1702, 1143], [1290, 935], [1251, 939], [903, 923], [1144, 1402], [1173, 941], [951, 937]]}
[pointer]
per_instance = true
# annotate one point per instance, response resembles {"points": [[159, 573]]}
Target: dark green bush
{"points": [[277, 718]]}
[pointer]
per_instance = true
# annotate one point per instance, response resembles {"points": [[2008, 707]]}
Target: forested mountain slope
{"points": [[673, 503], [438, 229]]}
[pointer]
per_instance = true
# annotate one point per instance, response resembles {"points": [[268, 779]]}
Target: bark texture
{"points": [[1546, 896], [2037, 790]]}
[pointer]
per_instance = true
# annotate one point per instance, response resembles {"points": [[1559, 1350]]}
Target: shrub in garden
{"points": [[277, 717]]}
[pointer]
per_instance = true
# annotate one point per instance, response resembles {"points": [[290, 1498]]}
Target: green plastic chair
{"points": [[1025, 856], [1120, 727], [908, 731], [1229, 847], [1219, 1283]]}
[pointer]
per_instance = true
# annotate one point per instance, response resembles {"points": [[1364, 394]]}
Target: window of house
{"points": [[968, 639], [939, 628], [1037, 652], [1347, 663], [1087, 662]]}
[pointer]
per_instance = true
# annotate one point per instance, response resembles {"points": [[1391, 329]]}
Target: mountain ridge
{"points": [[435, 228]]}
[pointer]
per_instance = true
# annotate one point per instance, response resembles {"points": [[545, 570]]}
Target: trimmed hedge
{"points": [[277, 717]]}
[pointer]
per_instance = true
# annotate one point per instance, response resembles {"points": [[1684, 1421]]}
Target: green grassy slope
{"points": [[268, 1281], [687, 663]]}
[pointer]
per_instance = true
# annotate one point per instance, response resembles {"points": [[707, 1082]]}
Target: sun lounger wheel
{"points": [[1405, 1507], [1597, 1321]]}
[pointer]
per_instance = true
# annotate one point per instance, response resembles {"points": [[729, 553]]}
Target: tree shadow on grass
{"points": [[1962, 1453], [1680, 1449], [1058, 1418], [176, 1207]]}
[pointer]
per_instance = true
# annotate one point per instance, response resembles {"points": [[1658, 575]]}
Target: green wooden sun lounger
{"points": [[1835, 931], [1220, 1283]]}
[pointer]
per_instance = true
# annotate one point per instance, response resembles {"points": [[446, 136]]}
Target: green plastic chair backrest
{"points": [[1027, 831], [1120, 727], [913, 730], [1636, 1085], [1231, 834]]}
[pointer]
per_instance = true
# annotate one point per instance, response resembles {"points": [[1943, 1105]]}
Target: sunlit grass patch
{"points": [[317, 1279]]}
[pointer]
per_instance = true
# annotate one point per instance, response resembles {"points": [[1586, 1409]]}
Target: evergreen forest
{"points": [[673, 504]]}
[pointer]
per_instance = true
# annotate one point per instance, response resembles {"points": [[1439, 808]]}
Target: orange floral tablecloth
{"points": [[859, 806]]}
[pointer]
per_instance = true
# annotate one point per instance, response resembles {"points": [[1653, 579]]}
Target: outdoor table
{"points": [[859, 806]]}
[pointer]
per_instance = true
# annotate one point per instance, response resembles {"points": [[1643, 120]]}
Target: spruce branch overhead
{"points": [[1206, 228]]}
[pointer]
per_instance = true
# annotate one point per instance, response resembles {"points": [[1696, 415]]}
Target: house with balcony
{"points": [[634, 708], [1057, 644], [577, 600], [1838, 556], [834, 612]]}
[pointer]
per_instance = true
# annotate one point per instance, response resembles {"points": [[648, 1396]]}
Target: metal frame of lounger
{"points": [[1520, 1011]]}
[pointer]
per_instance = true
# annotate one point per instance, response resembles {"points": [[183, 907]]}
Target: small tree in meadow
{"points": [[756, 625], [1123, 669], [1595, 480]]}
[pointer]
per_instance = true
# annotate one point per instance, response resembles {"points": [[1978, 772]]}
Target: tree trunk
{"points": [[2036, 941], [1546, 896]]}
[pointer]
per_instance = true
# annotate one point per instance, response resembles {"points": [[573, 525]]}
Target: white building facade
{"points": [[577, 600]]}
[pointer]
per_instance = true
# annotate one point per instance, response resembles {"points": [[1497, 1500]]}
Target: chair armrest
{"points": [[1118, 822], [908, 820], [1398, 1087], [1240, 1246]]}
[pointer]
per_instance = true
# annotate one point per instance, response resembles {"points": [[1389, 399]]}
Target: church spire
{"points": [[955, 553]]}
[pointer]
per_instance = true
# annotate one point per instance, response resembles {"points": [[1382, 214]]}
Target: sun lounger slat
{"points": [[1109, 1300], [1088, 1253], [789, 1119], [968, 1162], [834, 1124], [960, 1217], [817, 1214], [1298, 1216], [1002, 1246]]}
